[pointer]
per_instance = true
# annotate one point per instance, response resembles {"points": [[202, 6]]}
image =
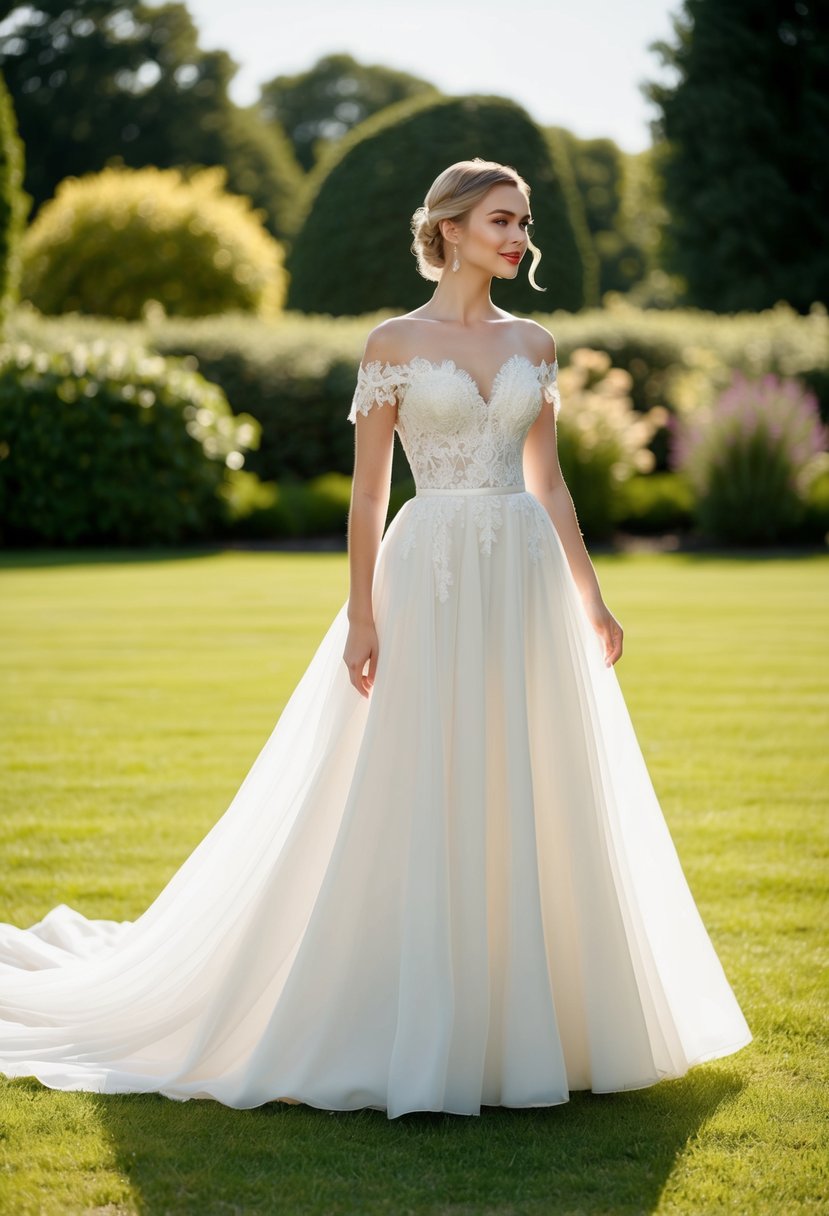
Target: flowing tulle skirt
{"points": [[458, 891]]}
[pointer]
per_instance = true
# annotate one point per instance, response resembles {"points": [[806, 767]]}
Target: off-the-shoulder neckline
{"points": [[543, 366]]}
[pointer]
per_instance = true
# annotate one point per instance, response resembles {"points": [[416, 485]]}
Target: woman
{"points": [[456, 888]]}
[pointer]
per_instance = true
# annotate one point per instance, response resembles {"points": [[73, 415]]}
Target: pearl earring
{"points": [[456, 264]]}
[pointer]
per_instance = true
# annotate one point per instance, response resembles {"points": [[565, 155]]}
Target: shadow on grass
{"points": [[598, 1153], [33, 559], [620, 548]]}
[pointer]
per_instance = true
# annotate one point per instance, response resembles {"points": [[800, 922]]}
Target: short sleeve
{"points": [[548, 375], [377, 384]]}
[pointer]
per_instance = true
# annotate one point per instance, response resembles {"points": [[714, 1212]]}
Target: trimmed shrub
{"points": [[259, 509], [815, 526], [751, 458], [652, 503], [14, 204], [110, 445], [684, 358], [297, 376], [353, 251], [296, 379], [602, 442], [108, 243]]}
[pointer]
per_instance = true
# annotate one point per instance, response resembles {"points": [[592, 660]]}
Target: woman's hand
{"points": [[607, 627], [361, 647]]}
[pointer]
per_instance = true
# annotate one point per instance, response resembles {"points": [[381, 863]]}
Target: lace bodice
{"points": [[452, 437]]}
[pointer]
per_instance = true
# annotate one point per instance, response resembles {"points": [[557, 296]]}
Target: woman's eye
{"points": [[524, 223]]}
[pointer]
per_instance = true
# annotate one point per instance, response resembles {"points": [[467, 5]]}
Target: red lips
{"points": [[515, 258]]}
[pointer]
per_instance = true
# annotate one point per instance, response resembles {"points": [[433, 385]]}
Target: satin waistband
{"points": [[473, 490]]}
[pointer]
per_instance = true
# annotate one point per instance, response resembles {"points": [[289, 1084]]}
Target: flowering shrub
{"points": [[104, 444], [602, 440], [751, 457]]}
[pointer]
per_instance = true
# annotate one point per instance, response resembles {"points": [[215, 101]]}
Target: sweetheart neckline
{"points": [[462, 371]]}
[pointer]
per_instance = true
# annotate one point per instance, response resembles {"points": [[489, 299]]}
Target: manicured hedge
{"points": [[297, 377], [352, 252]]}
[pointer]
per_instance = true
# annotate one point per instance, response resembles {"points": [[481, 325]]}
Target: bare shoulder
{"points": [[540, 341], [387, 341]]}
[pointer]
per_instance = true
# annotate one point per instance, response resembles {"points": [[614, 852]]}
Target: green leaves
{"points": [[111, 444]]}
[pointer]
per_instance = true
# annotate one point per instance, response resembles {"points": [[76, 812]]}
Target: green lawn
{"points": [[138, 689]]}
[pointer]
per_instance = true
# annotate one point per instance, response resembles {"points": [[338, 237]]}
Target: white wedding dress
{"points": [[458, 891]]}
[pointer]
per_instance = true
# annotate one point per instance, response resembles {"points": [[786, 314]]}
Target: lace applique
{"points": [[548, 377], [453, 438], [438, 513], [486, 511], [378, 383], [536, 517], [434, 517]]}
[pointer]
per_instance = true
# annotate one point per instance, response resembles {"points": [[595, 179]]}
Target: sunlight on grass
{"points": [[137, 690]]}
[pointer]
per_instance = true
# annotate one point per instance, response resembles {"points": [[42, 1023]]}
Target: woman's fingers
{"points": [[361, 679], [613, 645]]}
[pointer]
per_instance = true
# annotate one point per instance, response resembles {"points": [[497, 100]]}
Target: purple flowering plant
{"points": [[750, 457]]}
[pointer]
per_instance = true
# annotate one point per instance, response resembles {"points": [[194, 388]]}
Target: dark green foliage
{"points": [[814, 526], [98, 81], [746, 158], [111, 446], [649, 503], [13, 202], [299, 391], [265, 510], [317, 107], [353, 253], [598, 167], [297, 376]]}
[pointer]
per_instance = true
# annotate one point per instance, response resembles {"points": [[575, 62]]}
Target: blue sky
{"points": [[572, 63]]}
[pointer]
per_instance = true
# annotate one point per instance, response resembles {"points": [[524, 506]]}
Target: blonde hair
{"points": [[451, 196]]}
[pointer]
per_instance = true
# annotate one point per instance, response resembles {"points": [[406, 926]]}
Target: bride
{"points": [[446, 880]]}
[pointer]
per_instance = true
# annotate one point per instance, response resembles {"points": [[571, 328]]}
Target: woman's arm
{"points": [[370, 489], [543, 478]]}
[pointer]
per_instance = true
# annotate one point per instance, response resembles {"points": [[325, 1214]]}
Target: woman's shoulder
{"points": [[540, 341], [388, 341]]}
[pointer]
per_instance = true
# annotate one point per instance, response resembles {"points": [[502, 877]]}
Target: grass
{"points": [[137, 690]]}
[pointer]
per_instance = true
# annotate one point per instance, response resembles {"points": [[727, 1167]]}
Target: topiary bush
{"points": [[265, 510], [751, 458], [110, 242], [352, 253], [111, 445], [652, 503], [14, 203], [602, 441]]}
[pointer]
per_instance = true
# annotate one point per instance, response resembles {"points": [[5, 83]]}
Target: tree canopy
{"points": [[318, 107], [102, 81], [745, 128]]}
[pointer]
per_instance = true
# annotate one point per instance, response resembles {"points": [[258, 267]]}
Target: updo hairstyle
{"points": [[451, 196]]}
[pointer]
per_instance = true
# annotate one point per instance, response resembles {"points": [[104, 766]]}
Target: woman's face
{"points": [[496, 227]]}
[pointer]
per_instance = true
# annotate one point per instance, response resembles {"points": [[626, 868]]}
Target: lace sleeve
{"points": [[377, 384], [549, 384]]}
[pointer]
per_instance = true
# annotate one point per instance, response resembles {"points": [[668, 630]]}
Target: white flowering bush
{"points": [[108, 444], [602, 439]]}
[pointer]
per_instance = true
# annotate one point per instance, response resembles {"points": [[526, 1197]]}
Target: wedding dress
{"points": [[458, 891]]}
